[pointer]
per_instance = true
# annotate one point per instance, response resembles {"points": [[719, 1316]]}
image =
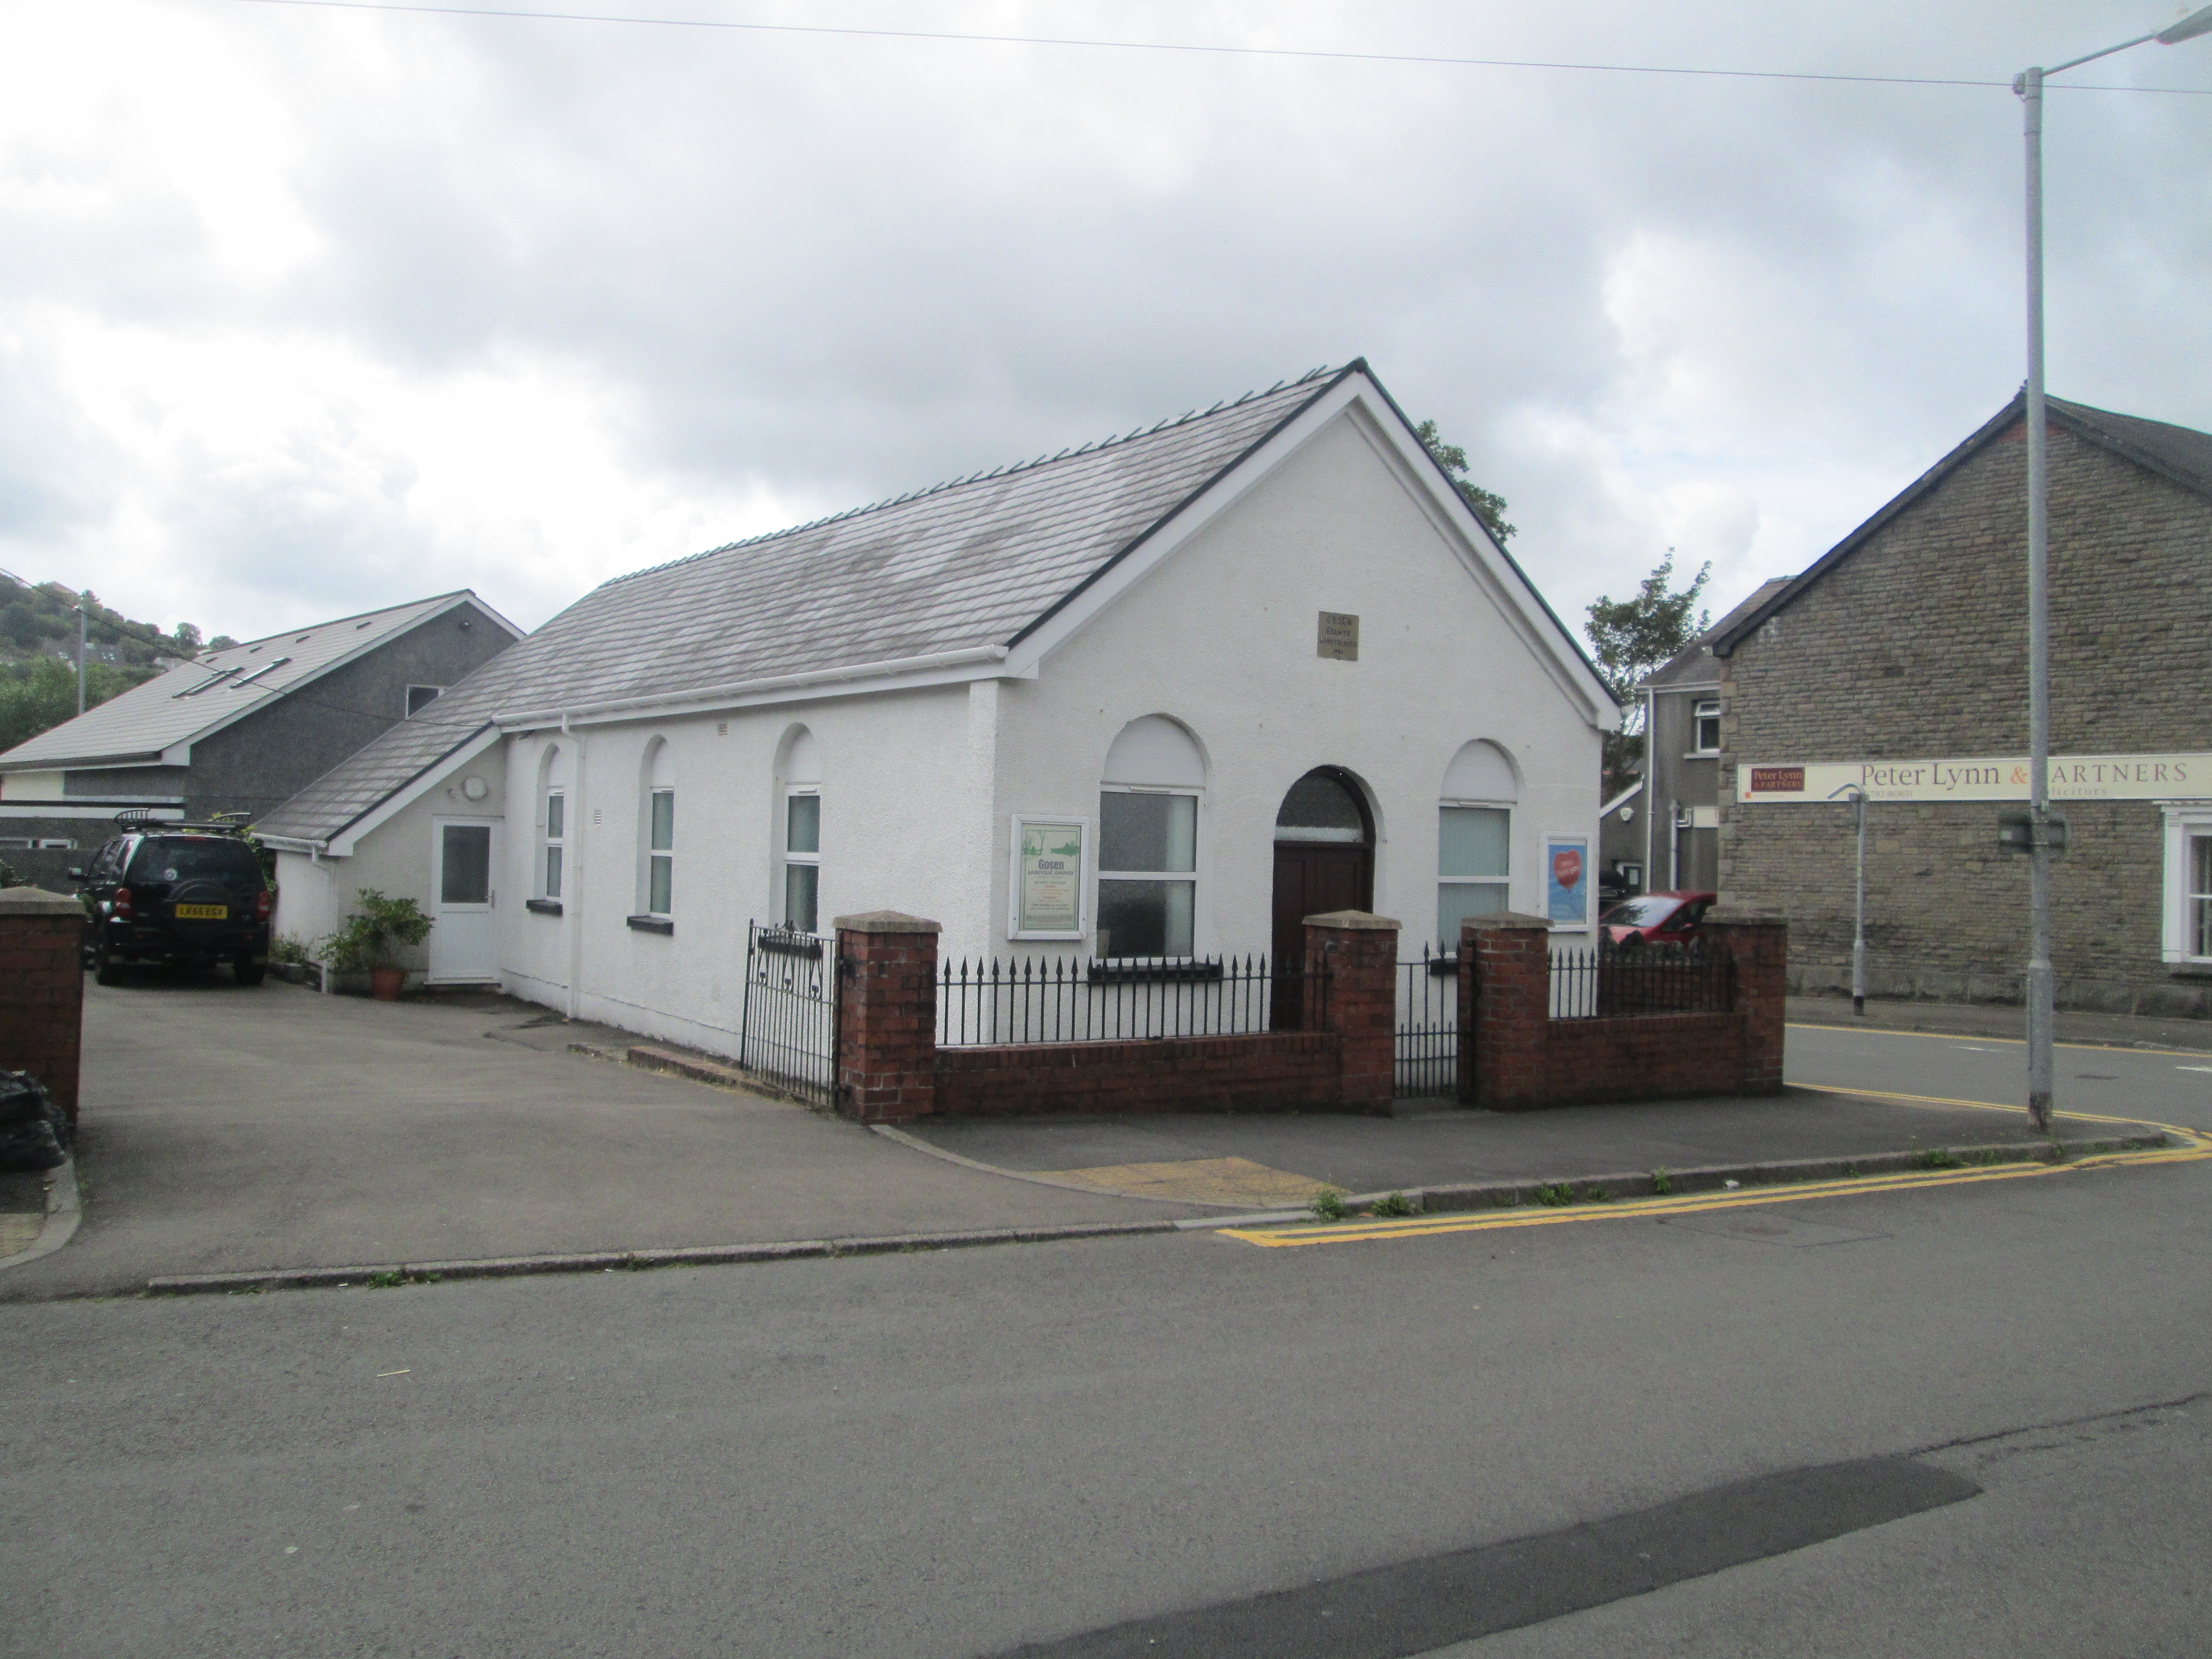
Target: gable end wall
{"points": [[1915, 647]]}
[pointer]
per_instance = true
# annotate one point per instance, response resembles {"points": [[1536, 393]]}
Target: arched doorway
{"points": [[1324, 860]]}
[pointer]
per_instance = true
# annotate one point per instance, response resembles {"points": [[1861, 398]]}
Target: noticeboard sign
{"points": [[1566, 880], [1049, 871]]}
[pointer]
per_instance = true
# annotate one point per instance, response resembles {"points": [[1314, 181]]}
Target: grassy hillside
{"points": [[38, 655]]}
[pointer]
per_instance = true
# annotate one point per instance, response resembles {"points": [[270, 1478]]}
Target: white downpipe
{"points": [[575, 884]]}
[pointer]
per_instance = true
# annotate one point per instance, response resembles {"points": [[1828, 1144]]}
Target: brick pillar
{"points": [[1760, 945], [1506, 1011], [42, 989], [886, 1016], [1360, 952]]}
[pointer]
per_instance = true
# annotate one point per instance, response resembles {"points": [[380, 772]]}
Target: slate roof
{"points": [[979, 561], [196, 697], [2179, 453], [1694, 665]]}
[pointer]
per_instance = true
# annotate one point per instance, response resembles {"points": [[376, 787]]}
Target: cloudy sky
{"points": [[306, 309]]}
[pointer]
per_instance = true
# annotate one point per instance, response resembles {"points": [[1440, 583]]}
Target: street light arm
{"points": [[2197, 23], [2076, 63]]}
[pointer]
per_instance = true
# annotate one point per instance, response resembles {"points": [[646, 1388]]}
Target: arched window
{"points": [[799, 830], [1475, 847], [658, 885], [552, 822], [1148, 841]]}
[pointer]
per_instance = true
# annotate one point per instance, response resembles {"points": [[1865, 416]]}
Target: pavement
{"points": [[270, 1131]]}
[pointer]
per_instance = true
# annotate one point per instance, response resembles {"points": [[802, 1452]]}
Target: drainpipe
{"points": [[574, 911]]}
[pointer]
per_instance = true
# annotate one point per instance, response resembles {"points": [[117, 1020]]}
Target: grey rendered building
{"points": [[1681, 840], [1897, 664], [239, 730]]}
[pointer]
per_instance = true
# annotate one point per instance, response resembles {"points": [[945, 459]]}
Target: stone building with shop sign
{"points": [[1897, 663]]}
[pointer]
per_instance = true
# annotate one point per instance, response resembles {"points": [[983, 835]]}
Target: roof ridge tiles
{"points": [[1006, 470]]}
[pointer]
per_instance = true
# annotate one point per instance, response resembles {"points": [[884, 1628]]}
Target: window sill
{"points": [[651, 925], [2200, 969], [543, 907], [1139, 973]]}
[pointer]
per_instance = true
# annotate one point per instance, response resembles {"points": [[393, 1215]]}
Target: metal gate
{"points": [[789, 1031], [1427, 1051]]}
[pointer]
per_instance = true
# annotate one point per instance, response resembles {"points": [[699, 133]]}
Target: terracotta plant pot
{"points": [[384, 983]]}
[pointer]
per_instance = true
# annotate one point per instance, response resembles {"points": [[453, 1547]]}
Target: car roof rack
{"points": [[218, 824]]}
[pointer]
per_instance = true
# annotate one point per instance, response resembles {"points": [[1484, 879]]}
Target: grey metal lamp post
{"points": [[2041, 989]]}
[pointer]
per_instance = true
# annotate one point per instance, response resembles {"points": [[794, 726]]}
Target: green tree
{"points": [[1488, 508], [40, 695], [1630, 638]]}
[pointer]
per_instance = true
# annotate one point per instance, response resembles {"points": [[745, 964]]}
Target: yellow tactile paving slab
{"points": [[2189, 1146], [19, 1231], [1195, 1181]]}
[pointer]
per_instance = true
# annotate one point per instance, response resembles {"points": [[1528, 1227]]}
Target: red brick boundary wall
{"points": [[890, 1067], [1515, 1057], [42, 989]]}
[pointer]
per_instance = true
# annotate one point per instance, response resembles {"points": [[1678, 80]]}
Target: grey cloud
{"points": [[840, 270]]}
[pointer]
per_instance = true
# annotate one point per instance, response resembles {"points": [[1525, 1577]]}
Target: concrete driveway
{"points": [[227, 1129]]}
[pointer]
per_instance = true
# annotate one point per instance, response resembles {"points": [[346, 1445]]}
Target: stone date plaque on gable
{"points": [[1339, 636]]}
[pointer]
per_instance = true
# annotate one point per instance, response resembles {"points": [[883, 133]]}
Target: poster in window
{"points": [[1566, 880], [1047, 899]]}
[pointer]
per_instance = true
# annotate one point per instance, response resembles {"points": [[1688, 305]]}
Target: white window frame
{"points": [[553, 840], [1504, 881], [1189, 878], [786, 857], [1699, 716], [2186, 823], [657, 855]]}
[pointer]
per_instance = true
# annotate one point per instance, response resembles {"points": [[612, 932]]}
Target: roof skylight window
{"points": [[266, 668]]}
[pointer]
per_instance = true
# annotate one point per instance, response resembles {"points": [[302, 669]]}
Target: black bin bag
{"points": [[33, 1131]]}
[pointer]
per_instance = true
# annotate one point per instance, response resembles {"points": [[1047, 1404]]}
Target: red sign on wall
{"points": [[1778, 780]]}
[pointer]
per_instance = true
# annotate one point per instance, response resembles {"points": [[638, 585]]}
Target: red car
{"points": [[1655, 918]]}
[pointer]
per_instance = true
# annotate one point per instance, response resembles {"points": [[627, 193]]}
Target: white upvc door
{"points": [[464, 944]]}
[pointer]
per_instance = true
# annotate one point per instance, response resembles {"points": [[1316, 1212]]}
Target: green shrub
{"points": [[1327, 1204], [1394, 1204], [375, 933], [288, 947]]}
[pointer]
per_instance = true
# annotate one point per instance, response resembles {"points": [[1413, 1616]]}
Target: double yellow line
{"points": [[2189, 1146]]}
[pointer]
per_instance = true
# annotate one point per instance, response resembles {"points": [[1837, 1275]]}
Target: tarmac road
{"points": [[2168, 1086], [961, 1453]]}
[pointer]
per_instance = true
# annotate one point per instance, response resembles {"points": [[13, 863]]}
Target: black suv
{"points": [[185, 894]]}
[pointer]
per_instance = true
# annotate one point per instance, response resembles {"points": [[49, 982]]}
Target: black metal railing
{"points": [[788, 1032], [1427, 1047], [1655, 979], [1068, 1000]]}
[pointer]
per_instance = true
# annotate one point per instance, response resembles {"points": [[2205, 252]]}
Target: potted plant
{"points": [[375, 933]]}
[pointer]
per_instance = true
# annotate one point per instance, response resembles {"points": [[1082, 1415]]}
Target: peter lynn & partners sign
{"points": [[2073, 777]]}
